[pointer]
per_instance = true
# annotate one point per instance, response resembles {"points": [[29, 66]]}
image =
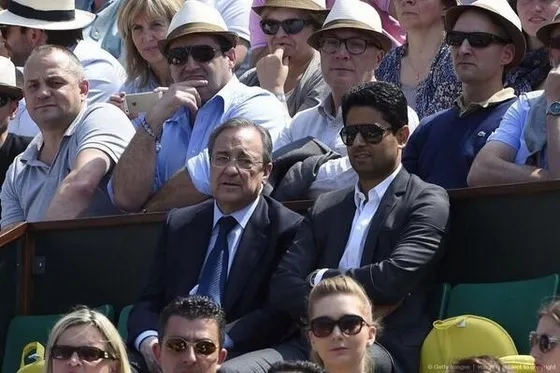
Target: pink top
{"points": [[391, 26]]}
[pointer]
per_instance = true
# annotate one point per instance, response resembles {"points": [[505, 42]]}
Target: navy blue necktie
{"points": [[214, 274]]}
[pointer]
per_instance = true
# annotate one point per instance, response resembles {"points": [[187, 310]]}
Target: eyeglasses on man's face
{"points": [[290, 26], [354, 46], [203, 347], [475, 39], [244, 163], [372, 133], [199, 53]]}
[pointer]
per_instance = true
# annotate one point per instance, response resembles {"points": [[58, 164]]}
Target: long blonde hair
{"points": [[89, 317], [136, 66], [342, 285]]}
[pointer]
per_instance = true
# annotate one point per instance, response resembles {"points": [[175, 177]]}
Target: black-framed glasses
{"points": [[4, 99], [200, 53], [554, 43], [85, 353], [202, 347], [371, 133], [290, 26], [544, 341], [323, 326], [354, 46], [224, 160], [476, 39]]}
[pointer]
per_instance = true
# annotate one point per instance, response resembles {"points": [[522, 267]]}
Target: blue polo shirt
{"points": [[444, 145]]}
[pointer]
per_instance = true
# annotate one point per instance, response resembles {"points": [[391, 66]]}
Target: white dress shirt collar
{"points": [[241, 216], [375, 193]]}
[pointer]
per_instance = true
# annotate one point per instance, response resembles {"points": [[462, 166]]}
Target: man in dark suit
{"points": [[225, 248], [385, 232]]}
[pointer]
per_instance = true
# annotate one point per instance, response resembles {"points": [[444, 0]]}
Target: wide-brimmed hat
{"points": [[8, 79], [196, 17], [543, 34], [502, 13], [45, 15], [312, 5], [356, 15]]}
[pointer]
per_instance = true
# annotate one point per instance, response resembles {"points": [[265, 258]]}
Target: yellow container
{"points": [[39, 364]]}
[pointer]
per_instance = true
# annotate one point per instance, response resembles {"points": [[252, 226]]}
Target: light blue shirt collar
{"points": [[241, 216]]}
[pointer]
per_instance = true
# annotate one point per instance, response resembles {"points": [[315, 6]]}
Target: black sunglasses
{"points": [[476, 39], [544, 341], [290, 26], [200, 53], [323, 326], [203, 347], [554, 43], [371, 133], [4, 99], [86, 353]]}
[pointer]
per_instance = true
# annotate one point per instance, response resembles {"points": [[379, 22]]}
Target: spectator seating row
{"points": [[512, 304]]}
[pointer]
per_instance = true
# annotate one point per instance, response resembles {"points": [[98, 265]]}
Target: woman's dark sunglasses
{"points": [[200, 53], [554, 43], [371, 133], [476, 39], [203, 347], [86, 353], [290, 26], [323, 326], [544, 341]]}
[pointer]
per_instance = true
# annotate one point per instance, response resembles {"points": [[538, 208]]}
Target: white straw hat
{"points": [[8, 79], [45, 15], [313, 5], [356, 15], [196, 17], [502, 13]]}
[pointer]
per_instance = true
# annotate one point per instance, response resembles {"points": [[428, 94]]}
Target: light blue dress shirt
{"points": [[511, 129], [182, 140], [103, 30]]}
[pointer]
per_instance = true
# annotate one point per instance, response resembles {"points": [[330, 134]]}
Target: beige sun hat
{"points": [[45, 15], [313, 5], [8, 79], [196, 17], [356, 15], [502, 13], [543, 34]]}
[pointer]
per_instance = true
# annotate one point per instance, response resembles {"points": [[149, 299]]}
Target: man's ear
{"points": [[232, 58], [84, 88], [36, 37], [156, 348], [508, 54], [267, 169], [402, 136], [222, 354]]}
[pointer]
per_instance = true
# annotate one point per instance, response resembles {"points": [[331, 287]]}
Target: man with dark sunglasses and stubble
{"points": [[385, 231], [201, 53], [526, 146], [486, 40], [191, 336]]}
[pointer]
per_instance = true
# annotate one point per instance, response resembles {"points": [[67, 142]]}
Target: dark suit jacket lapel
{"points": [[388, 202], [195, 238], [251, 248], [338, 236]]}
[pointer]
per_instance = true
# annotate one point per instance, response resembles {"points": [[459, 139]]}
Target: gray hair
{"points": [[239, 123]]}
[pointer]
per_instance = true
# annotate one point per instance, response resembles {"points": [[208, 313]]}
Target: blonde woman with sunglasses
{"points": [[342, 327], [85, 341], [545, 341]]}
